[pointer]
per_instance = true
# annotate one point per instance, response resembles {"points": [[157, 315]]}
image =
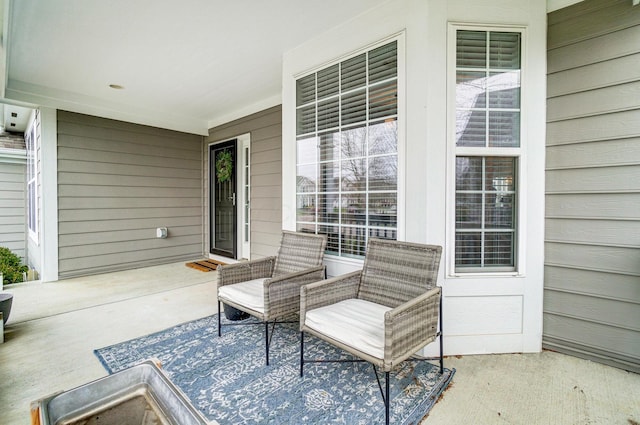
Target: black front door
{"points": [[223, 216]]}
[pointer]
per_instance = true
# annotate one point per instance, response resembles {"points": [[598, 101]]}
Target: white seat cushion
{"points": [[353, 322], [249, 294]]}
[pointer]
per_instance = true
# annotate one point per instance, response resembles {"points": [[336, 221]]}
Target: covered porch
{"points": [[54, 328]]}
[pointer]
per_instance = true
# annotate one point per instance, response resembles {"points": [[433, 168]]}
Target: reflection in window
{"points": [[485, 211], [347, 151], [487, 110]]}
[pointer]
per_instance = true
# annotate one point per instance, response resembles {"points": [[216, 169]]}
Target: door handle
{"points": [[233, 199]]}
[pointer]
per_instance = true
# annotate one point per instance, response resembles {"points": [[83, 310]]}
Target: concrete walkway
{"points": [[54, 328]]}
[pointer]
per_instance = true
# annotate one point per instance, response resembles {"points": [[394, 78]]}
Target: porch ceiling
{"points": [[184, 65]]}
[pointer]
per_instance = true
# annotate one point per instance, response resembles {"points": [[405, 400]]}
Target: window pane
{"points": [[383, 173], [499, 211], [333, 238], [306, 208], [328, 81], [469, 173], [383, 209], [306, 120], [504, 90], [383, 137], [354, 175], [499, 250], [307, 150], [329, 177], [383, 63], [353, 241], [306, 90], [468, 249], [354, 72], [500, 174], [484, 96], [471, 49], [329, 147], [486, 195], [471, 89], [328, 114], [471, 128], [504, 50], [383, 100], [504, 129], [354, 142], [328, 207], [354, 107], [306, 178], [354, 208], [468, 211]]}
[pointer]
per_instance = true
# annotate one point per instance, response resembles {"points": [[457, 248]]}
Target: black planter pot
{"points": [[5, 306], [232, 313]]}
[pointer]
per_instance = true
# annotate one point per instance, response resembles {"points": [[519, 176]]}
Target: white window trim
{"points": [[32, 155], [338, 265], [453, 151]]}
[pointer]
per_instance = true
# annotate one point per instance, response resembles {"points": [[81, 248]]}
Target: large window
{"points": [[347, 151], [31, 142], [487, 148]]}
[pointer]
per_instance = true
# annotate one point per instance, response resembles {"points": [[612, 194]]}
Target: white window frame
{"points": [[32, 136], [453, 151], [341, 264]]}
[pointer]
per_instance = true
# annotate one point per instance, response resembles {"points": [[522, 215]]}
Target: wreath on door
{"points": [[224, 166]]}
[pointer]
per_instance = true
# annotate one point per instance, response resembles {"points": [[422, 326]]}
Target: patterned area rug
{"points": [[227, 380]]}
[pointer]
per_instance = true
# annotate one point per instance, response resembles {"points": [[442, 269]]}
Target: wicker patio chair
{"points": [[382, 314], [269, 288]]}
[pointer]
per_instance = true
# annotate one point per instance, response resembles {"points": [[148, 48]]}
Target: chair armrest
{"points": [[328, 291], [245, 270], [411, 326], [282, 293]]}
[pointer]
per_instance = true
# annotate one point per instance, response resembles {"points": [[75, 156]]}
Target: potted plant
{"points": [[11, 271]]}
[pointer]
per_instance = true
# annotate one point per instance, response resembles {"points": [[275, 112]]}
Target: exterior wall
{"points": [[592, 246], [12, 204], [265, 128], [484, 313], [118, 182]]}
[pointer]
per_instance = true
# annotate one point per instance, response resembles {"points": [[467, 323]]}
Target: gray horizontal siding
{"points": [[265, 128], [592, 232], [12, 207], [118, 182]]}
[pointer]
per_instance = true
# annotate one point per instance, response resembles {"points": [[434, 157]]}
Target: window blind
{"points": [[487, 116], [347, 164]]}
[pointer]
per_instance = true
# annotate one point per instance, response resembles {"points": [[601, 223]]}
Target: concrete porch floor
{"points": [[54, 328]]}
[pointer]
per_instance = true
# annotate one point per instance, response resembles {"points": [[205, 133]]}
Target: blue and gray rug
{"points": [[227, 380]]}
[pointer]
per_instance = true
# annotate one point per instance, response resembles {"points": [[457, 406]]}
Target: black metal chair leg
{"points": [[266, 339], [387, 400], [301, 353], [219, 324]]}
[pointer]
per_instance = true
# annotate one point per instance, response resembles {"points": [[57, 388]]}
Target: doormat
{"points": [[205, 265], [226, 378]]}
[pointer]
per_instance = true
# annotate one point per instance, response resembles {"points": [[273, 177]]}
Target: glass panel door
{"points": [[223, 216]]}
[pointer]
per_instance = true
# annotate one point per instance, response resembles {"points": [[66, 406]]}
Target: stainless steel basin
{"points": [[140, 395]]}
